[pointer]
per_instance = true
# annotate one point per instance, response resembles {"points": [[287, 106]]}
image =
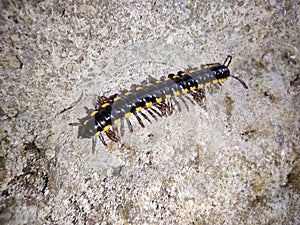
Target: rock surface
{"points": [[236, 161]]}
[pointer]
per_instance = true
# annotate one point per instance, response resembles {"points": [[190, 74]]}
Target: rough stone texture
{"points": [[234, 162]]}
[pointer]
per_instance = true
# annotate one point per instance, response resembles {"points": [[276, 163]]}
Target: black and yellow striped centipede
{"points": [[157, 98]]}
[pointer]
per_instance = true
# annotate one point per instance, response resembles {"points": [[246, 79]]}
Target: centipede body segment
{"points": [[151, 101]]}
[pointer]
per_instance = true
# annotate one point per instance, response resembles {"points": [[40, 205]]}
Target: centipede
{"points": [[154, 99]]}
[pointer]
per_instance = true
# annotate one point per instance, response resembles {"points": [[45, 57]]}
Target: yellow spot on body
{"points": [[175, 76], [138, 109], [206, 67], [93, 113], [185, 91], [139, 88], [117, 121], [193, 88], [97, 134], [127, 93], [149, 84], [200, 86], [166, 79], [106, 128], [127, 115], [85, 122], [215, 81], [149, 104], [117, 99], [192, 71], [158, 81], [159, 100], [168, 96], [207, 84], [222, 80], [105, 105], [198, 69], [176, 93], [183, 74]]}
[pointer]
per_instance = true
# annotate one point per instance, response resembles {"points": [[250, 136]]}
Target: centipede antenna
{"points": [[227, 60], [240, 80], [71, 106]]}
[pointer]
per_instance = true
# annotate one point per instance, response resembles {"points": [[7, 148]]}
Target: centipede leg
{"points": [[162, 108], [129, 125], [88, 111], [139, 119], [196, 96], [103, 99], [177, 104], [151, 79], [190, 99], [184, 102], [154, 110], [145, 117], [102, 139], [112, 136], [170, 107], [122, 130], [211, 89], [94, 142], [100, 101], [133, 87], [116, 131], [151, 113], [199, 96], [112, 97], [217, 86]]}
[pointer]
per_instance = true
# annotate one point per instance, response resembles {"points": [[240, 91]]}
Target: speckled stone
{"points": [[234, 161]]}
